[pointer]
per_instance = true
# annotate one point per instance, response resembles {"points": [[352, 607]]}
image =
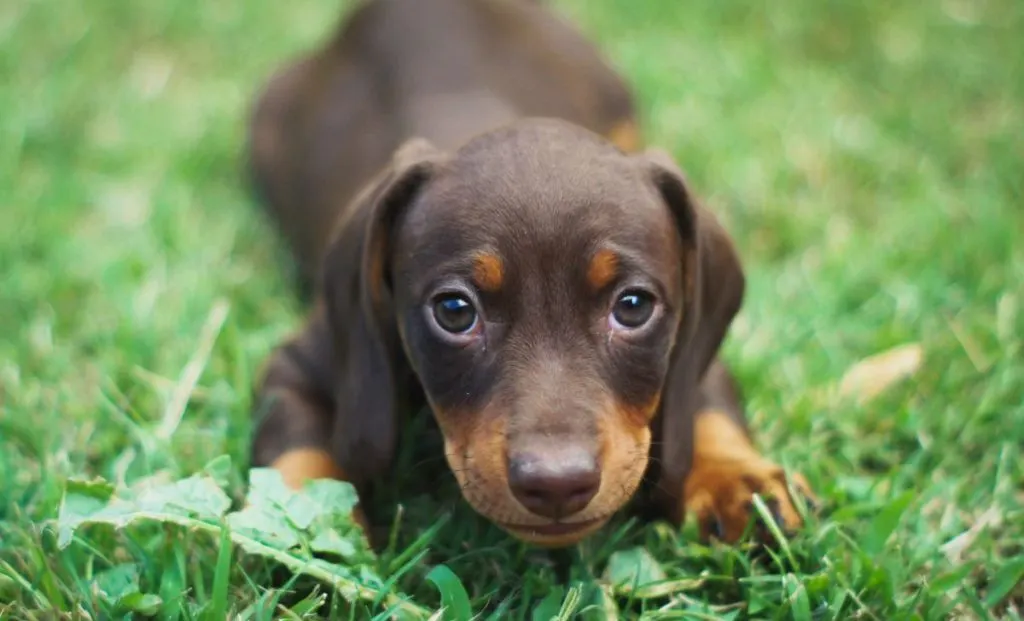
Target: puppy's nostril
{"points": [[554, 487]]}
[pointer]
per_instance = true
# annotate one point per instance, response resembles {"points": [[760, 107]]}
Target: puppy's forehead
{"points": [[534, 185]]}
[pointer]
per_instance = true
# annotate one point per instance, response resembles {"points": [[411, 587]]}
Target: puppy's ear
{"points": [[713, 285], [372, 380]]}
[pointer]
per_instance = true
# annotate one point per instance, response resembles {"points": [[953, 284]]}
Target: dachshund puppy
{"points": [[555, 296]]}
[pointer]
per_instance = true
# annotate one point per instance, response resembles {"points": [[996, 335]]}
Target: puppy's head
{"points": [[542, 289]]}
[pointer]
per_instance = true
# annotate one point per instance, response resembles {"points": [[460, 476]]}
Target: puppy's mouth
{"points": [[556, 533]]}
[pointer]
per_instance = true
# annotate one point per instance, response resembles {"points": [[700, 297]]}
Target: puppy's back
{"points": [[444, 70]]}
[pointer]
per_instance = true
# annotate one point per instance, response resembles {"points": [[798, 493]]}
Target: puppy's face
{"points": [[538, 287]]}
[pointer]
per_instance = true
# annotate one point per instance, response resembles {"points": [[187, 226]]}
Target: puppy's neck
{"points": [[449, 119]]}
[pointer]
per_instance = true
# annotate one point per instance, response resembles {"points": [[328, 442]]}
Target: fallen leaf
{"points": [[872, 375], [630, 570], [955, 547]]}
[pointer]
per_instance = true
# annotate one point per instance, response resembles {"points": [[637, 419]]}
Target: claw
{"points": [[773, 508], [801, 486], [713, 529]]}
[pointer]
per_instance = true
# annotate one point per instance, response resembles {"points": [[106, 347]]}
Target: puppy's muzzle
{"points": [[554, 482]]}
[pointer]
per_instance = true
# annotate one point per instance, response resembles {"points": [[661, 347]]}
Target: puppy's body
{"points": [[557, 301], [441, 70]]}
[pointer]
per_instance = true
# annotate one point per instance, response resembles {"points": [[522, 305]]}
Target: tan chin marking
{"points": [[476, 456], [640, 416], [555, 541], [625, 448]]}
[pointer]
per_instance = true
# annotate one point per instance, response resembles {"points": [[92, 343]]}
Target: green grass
{"points": [[867, 157]]}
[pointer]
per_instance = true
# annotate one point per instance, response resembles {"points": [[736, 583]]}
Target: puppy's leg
{"points": [[727, 469], [296, 412]]}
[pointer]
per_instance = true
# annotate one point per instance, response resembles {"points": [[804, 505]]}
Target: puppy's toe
{"points": [[720, 496]]}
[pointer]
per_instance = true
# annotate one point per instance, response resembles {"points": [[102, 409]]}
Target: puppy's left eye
{"points": [[633, 308], [454, 313]]}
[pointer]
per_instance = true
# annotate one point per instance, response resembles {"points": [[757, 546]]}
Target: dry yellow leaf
{"points": [[872, 375]]}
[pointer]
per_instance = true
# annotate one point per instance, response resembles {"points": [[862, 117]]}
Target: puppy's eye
{"points": [[633, 308], [454, 313]]}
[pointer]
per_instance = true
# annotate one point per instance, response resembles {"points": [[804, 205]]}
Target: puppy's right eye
{"points": [[633, 309], [454, 313]]}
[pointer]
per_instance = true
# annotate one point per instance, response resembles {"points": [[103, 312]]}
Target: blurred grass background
{"points": [[866, 155]]}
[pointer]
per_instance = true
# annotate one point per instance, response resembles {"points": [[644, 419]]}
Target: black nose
{"points": [[555, 484]]}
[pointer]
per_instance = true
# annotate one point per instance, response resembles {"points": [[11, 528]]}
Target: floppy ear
{"points": [[713, 285], [372, 380]]}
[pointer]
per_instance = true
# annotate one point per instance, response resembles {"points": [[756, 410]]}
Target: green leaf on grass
{"points": [[143, 603], [332, 496], [279, 524], [81, 500], [1008, 577], [885, 523], [219, 469], [322, 512], [197, 496], [330, 542], [602, 607], [799, 603], [950, 580], [629, 570], [453, 595], [114, 583], [266, 526], [549, 607], [119, 587], [267, 489]]}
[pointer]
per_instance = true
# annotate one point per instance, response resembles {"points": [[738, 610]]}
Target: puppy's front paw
{"points": [[719, 494]]}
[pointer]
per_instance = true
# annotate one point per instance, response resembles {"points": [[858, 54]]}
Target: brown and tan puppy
{"points": [[555, 297]]}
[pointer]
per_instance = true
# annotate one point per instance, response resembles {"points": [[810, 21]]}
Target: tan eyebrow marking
{"points": [[488, 271], [603, 267]]}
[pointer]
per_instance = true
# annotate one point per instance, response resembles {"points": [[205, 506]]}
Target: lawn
{"points": [[866, 156]]}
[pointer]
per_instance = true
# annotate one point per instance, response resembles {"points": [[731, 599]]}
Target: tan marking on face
{"points": [[626, 135], [488, 272], [476, 451], [602, 269], [641, 415], [625, 449], [557, 541]]}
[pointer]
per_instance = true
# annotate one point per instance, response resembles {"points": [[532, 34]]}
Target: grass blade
{"points": [[219, 599], [1005, 580], [453, 595]]}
